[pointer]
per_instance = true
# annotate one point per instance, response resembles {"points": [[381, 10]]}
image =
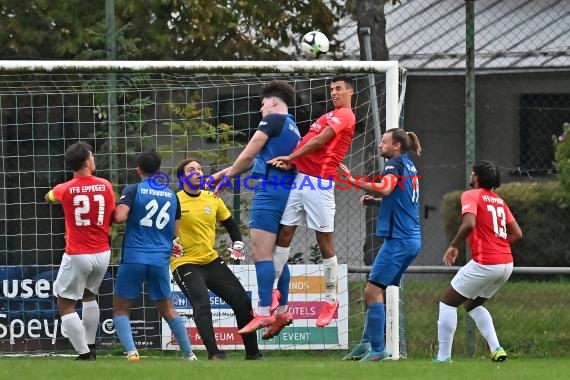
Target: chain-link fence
{"points": [[522, 102]]}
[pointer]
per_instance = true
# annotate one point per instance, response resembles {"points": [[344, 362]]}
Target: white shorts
{"points": [[79, 272], [476, 280], [311, 202]]}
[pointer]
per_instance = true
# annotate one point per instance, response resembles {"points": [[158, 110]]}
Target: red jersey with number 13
{"points": [[88, 204], [488, 241], [325, 161]]}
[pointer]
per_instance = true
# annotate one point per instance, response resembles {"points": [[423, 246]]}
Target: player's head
{"points": [[276, 97], [79, 157], [485, 175], [189, 173], [397, 141], [342, 88], [148, 162]]}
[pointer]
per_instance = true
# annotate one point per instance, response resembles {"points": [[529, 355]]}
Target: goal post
{"points": [[204, 109]]}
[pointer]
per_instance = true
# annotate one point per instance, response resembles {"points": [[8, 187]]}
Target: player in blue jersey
{"points": [[399, 224], [151, 212], [276, 135]]}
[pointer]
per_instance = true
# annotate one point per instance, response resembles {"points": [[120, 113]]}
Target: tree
{"points": [[370, 14], [163, 29]]}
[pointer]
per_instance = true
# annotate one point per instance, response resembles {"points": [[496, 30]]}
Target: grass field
{"points": [[311, 366], [531, 318]]}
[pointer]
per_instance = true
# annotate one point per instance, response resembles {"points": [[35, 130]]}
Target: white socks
{"points": [[446, 325], [75, 332], [90, 315], [330, 268], [280, 257], [484, 323]]}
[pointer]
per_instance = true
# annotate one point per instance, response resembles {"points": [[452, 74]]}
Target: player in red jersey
{"points": [[317, 159], [88, 203], [491, 229]]}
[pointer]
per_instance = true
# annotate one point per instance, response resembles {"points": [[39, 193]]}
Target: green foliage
{"points": [[164, 29], [562, 157], [314, 257], [541, 210]]}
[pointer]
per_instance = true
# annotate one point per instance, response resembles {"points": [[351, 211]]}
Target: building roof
{"points": [[509, 34]]}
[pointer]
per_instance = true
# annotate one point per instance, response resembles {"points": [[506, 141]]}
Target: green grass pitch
{"points": [[310, 365]]}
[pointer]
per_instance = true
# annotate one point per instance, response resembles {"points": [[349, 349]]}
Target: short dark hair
{"points": [[148, 161], [488, 175], [182, 164], [281, 90], [76, 155], [346, 79]]}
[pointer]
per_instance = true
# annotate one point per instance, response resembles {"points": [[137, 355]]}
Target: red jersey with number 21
{"points": [[488, 240], [88, 204], [325, 161]]}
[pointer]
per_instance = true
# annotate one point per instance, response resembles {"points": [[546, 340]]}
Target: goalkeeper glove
{"points": [[236, 251], [177, 250]]}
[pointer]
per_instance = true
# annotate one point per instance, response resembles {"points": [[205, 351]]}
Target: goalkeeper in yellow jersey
{"points": [[199, 268]]}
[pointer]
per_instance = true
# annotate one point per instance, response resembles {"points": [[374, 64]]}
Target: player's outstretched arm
{"points": [[383, 188]]}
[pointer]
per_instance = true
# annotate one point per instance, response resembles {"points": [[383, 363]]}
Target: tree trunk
{"points": [[370, 14]]}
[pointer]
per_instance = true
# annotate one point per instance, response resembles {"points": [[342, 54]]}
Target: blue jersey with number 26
{"points": [[150, 224]]}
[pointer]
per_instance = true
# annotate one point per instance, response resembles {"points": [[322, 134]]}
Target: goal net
{"points": [[207, 110]]}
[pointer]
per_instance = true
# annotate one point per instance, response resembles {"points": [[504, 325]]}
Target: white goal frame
{"points": [[389, 68]]}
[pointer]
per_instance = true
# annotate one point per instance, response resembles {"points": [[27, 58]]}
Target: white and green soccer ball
{"points": [[314, 44]]}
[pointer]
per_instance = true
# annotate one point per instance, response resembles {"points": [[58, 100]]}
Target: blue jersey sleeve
{"points": [[393, 166], [128, 195], [272, 124]]}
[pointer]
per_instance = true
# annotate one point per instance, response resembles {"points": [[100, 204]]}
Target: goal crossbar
{"points": [[390, 68]]}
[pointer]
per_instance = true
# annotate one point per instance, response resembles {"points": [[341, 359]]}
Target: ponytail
{"points": [[408, 140], [414, 142]]}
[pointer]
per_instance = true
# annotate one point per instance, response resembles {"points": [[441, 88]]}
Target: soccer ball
{"points": [[314, 44]]}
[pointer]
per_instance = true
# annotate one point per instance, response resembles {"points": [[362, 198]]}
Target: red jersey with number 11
{"points": [[88, 204], [488, 241]]}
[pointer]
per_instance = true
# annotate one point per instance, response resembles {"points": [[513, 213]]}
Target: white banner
{"points": [[306, 297]]}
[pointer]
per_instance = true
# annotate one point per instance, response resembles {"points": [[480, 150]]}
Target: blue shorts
{"points": [[267, 208], [130, 278], [392, 260]]}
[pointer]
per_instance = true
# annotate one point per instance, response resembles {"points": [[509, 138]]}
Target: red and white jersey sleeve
{"points": [[325, 161], [88, 204], [488, 241]]}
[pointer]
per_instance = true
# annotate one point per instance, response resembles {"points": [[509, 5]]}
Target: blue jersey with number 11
{"points": [[399, 216], [150, 224]]}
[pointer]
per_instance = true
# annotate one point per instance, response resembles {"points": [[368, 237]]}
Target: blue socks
{"points": [[124, 332], [283, 285], [265, 272], [179, 330], [365, 332], [375, 323]]}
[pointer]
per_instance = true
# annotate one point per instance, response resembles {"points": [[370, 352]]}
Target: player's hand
{"points": [[281, 162], [450, 256], [369, 200], [346, 172], [236, 251], [177, 250]]}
